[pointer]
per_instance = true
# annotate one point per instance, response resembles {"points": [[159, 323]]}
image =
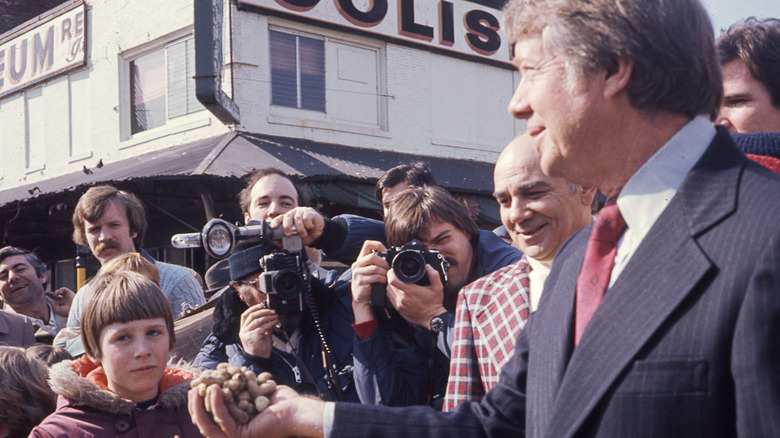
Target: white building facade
{"points": [[106, 91]]}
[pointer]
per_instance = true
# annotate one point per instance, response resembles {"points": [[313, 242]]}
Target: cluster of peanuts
{"points": [[244, 393]]}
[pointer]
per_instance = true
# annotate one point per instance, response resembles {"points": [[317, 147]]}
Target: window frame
{"points": [[298, 85], [177, 123], [289, 116]]}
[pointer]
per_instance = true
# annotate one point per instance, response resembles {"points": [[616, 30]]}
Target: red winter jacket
{"points": [[85, 406]]}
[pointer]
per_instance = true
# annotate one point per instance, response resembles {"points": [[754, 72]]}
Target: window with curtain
{"points": [[297, 71], [162, 85]]}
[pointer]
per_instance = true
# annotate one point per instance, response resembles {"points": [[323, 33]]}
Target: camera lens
{"points": [[219, 240], [288, 285], [409, 266]]}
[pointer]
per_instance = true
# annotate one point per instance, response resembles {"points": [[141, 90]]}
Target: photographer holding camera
{"points": [[266, 322], [414, 370]]}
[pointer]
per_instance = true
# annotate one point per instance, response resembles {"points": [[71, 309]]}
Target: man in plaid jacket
{"points": [[540, 213]]}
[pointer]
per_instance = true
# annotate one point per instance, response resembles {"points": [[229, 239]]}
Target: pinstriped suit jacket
{"points": [[683, 345]]}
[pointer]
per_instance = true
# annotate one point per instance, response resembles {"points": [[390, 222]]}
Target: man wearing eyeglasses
{"points": [[260, 331]]}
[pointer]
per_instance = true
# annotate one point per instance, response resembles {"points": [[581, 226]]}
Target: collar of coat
{"points": [[83, 383]]}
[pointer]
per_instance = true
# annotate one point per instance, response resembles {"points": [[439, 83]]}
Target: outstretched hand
{"points": [[288, 414]]}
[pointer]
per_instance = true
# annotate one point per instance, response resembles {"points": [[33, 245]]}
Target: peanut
{"points": [[240, 416], [245, 394]]}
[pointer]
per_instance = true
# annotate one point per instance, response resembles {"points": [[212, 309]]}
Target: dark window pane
{"points": [[313, 92], [283, 70], [297, 71], [312, 55]]}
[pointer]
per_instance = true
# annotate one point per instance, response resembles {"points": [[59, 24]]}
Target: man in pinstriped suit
{"points": [[683, 343]]}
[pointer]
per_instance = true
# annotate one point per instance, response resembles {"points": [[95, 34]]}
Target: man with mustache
{"points": [[416, 373], [112, 222]]}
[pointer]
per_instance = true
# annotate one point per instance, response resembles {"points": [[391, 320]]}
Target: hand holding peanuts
{"points": [[244, 393]]}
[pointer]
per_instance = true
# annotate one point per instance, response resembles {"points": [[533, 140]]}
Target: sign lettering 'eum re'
{"points": [[468, 27], [47, 48]]}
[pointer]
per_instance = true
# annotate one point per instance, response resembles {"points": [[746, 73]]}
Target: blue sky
{"points": [[727, 12]]}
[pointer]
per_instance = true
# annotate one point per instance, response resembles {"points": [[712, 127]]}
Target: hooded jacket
{"points": [[85, 407]]}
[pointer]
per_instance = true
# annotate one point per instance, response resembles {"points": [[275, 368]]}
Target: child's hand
{"points": [[257, 324]]}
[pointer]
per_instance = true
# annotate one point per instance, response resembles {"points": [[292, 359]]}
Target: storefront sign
{"points": [[466, 27], [51, 47]]}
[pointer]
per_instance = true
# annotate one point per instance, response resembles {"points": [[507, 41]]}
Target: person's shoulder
{"points": [[68, 417], [170, 267], [489, 241], [496, 280], [12, 317], [494, 253], [173, 273], [761, 186]]}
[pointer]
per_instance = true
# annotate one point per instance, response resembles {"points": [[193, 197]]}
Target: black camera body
{"points": [[283, 280], [408, 262]]}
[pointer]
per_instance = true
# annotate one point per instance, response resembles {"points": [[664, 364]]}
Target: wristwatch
{"points": [[437, 322]]}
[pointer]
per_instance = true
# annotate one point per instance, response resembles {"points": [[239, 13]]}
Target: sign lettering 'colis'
{"points": [[460, 26]]}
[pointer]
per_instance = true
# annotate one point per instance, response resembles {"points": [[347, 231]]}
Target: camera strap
{"points": [[299, 363], [329, 358]]}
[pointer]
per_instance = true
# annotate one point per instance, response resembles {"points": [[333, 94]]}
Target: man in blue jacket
{"points": [[257, 330], [414, 371]]}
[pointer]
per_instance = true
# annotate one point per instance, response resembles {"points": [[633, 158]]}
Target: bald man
{"points": [[539, 213]]}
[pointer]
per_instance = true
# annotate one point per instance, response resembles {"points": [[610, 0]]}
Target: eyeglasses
{"points": [[255, 283]]}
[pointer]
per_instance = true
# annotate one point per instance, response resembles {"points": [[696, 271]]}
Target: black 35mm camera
{"points": [[283, 278], [408, 262]]}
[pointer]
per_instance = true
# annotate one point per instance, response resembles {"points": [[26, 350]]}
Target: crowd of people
{"points": [[632, 289]]}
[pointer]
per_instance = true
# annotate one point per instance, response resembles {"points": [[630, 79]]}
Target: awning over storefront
{"points": [[183, 186], [171, 162], [321, 165]]}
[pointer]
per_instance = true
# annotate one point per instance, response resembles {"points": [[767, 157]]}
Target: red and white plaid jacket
{"points": [[490, 313]]}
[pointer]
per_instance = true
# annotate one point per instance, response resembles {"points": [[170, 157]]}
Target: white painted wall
{"points": [[429, 104], [412, 100], [74, 120]]}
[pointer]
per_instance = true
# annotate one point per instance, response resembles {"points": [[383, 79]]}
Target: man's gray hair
{"points": [[35, 261], [671, 45]]}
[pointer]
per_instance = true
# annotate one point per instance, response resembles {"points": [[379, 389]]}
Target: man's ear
{"points": [[247, 218], [587, 195], [616, 78]]}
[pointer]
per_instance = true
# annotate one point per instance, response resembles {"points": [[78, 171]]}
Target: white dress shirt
{"points": [[648, 192]]}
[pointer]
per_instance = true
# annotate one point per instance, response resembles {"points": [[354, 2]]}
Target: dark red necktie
{"points": [[597, 265]]}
